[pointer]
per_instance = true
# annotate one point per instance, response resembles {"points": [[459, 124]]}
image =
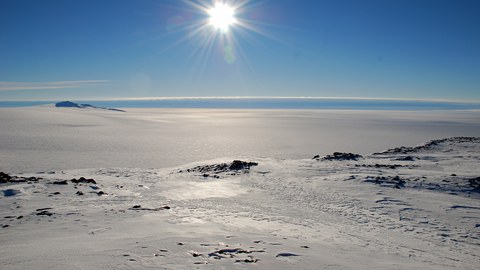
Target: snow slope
{"points": [[405, 208]]}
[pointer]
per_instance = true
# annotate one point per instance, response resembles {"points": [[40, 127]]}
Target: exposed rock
{"points": [[237, 166], [195, 254], [287, 254], [378, 166], [233, 250], [69, 104], [140, 208], [241, 165], [60, 182], [45, 212], [83, 180], [429, 146], [388, 181], [228, 253], [342, 156], [249, 259], [6, 178]]}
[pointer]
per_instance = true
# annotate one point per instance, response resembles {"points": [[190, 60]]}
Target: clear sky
{"points": [[427, 49]]}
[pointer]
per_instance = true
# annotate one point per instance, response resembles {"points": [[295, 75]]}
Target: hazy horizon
{"points": [[154, 98], [265, 103]]}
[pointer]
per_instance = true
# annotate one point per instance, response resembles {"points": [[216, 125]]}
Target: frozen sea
{"points": [[39, 138]]}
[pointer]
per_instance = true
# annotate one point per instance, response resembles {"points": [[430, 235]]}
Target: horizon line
{"points": [[443, 100]]}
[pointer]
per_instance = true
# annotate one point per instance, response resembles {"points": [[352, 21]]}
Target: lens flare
{"points": [[218, 28], [222, 16]]}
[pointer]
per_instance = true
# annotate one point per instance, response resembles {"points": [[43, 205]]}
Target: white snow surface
{"points": [[170, 203]]}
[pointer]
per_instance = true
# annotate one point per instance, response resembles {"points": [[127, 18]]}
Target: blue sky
{"points": [[51, 50]]}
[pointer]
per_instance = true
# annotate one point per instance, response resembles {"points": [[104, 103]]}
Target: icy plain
{"points": [[161, 189]]}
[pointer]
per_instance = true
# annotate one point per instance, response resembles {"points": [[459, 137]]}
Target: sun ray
{"points": [[222, 16], [217, 29]]}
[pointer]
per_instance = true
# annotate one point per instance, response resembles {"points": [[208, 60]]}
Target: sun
{"points": [[222, 16]]}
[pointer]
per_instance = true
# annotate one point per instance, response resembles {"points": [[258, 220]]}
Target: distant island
{"points": [[69, 104]]}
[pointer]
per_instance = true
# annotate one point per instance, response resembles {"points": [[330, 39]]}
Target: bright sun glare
{"points": [[222, 16]]}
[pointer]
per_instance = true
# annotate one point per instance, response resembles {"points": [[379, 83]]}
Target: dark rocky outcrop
{"points": [[233, 253], [342, 156], [249, 259], [140, 208], [237, 166], [83, 180], [6, 178], [60, 182], [69, 104], [387, 181], [44, 212], [429, 146], [407, 158], [383, 166]]}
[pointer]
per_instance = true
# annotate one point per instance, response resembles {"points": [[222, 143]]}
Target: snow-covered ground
{"points": [[406, 208]]}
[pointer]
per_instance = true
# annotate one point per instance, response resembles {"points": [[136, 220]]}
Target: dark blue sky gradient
{"points": [[344, 48]]}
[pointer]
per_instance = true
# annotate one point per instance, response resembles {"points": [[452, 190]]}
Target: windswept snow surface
{"points": [[406, 208]]}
